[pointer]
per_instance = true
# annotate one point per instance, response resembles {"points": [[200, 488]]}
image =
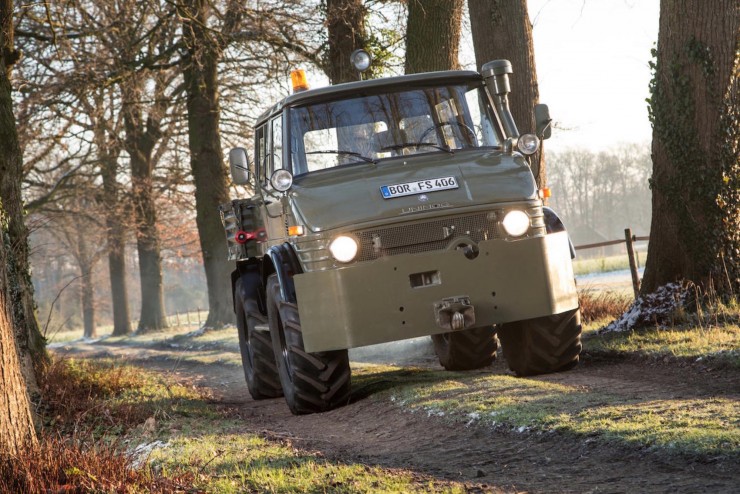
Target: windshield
{"points": [[371, 128]]}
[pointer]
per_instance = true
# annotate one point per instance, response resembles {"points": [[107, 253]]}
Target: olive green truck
{"points": [[389, 209]]}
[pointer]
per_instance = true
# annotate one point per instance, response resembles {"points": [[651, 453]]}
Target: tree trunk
{"points": [[206, 158], [115, 234], [16, 422], [433, 35], [346, 21], [502, 30], [108, 153], [153, 316], [29, 341], [85, 261], [139, 144], [695, 111]]}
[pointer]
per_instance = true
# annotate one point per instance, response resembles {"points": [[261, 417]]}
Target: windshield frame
{"points": [[461, 87]]}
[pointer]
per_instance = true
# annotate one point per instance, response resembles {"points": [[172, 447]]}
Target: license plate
{"points": [[419, 187]]}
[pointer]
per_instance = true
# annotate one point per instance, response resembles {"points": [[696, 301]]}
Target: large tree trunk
{"points": [[108, 153], [502, 30], [695, 110], [153, 316], [30, 342], [346, 22], [433, 35], [206, 157], [16, 422], [139, 144], [115, 234]]}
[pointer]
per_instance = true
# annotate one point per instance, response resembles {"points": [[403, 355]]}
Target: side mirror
{"points": [[239, 165], [543, 121]]}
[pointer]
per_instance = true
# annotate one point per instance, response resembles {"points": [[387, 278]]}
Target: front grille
{"points": [[426, 236]]}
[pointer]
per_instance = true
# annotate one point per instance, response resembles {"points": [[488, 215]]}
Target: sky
{"points": [[592, 67]]}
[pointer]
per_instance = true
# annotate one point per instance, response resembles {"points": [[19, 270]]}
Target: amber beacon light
{"points": [[298, 79]]}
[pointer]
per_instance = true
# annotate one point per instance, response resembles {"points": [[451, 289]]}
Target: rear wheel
{"points": [[312, 382], [542, 345], [466, 350], [255, 345]]}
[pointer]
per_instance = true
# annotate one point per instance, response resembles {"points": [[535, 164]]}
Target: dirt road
{"points": [[378, 432]]}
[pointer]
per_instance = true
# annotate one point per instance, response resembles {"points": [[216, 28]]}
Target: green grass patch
{"points": [[231, 461], [601, 265], [707, 427], [719, 345], [696, 428]]}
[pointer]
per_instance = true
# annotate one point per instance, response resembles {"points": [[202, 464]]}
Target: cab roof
{"points": [[372, 85]]}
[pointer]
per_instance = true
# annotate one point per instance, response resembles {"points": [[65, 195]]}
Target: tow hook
{"points": [[454, 313]]}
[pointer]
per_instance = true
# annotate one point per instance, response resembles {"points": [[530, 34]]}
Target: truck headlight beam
{"points": [[343, 248], [516, 223]]}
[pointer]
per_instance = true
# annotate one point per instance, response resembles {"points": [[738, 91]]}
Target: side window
{"points": [[260, 147], [277, 143]]}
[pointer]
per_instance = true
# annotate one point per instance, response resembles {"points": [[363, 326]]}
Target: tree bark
{"points": [[206, 156], [346, 22], [16, 421], [433, 35], [139, 143], [86, 263], [30, 342], [115, 234], [695, 111], [501, 30]]}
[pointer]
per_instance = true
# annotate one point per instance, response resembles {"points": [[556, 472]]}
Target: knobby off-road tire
{"points": [[542, 345], [312, 382], [258, 357], [466, 350]]}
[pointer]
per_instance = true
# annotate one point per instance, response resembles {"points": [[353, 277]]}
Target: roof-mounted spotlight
{"points": [[361, 60]]}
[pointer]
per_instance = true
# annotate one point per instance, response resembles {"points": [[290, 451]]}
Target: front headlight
{"points": [[516, 223], [343, 248]]}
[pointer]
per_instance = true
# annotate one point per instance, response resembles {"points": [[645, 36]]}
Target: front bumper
{"points": [[394, 298]]}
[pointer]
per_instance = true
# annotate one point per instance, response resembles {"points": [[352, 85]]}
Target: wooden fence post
{"points": [[633, 265]]}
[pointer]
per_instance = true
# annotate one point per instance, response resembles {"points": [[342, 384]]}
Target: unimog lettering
{"points": [[457, 245]]}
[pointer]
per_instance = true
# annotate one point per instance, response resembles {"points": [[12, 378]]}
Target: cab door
{"points": [[274, 217]]}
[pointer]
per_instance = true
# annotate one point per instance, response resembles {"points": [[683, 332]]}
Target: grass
{"points": [[698, 428], [60, 336], [603, 264], [97, 412], [230, 461], [599, 308], [718, 345]]}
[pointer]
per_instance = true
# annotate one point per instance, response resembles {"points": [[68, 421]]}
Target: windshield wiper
{"points": [[395, 147], [350, 153]]}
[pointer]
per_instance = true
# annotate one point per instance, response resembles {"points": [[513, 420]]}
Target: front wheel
{"points": [[466, 350], [311, 382], [544, 344]]}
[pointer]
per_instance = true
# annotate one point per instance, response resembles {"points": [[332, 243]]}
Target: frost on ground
{"points": [[140, 454], [655, 309]]}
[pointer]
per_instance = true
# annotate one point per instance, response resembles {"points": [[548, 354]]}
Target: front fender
{"points": [[283, 262], [554, 224]]}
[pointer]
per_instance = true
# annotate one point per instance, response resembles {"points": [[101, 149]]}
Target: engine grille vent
{"points": [[426, 236]]}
